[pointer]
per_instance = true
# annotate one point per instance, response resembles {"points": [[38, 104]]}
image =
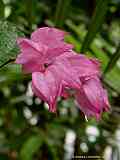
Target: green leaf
{"points": [[72, 40], [97, 21], [61, 12], [30, 147], [113, 79], [1, 9], [113, 60], [8, 47]]}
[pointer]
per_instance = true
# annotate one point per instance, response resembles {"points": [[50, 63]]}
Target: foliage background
{"points": [[27, 130]]}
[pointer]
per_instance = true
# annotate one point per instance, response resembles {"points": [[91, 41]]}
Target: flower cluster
{"points": [[56, 69]]}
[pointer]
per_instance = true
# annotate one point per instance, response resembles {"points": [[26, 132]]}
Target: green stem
{"points": [[96, 23], [1, 9], [61, 12], [113, 60], [29, 13], [9, 61]]}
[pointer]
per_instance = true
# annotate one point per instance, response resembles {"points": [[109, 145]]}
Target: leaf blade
{"points": [[97, 20], [113, 60], [30, 147], [8, 46], [61, 12]]}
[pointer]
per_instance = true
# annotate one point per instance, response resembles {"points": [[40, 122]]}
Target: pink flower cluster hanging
{"points": [[56, 69]]}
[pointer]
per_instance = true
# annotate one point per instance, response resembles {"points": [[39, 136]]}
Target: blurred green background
{"points": [[27, 130]]}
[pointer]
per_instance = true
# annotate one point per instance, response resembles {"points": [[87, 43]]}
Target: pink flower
{"points": [[56, 69]]}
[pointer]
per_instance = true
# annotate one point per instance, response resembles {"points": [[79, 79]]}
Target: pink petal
{"points": [[86, 107], [94, 92], [53, 39], [32, 55], [47, 87], [48, 35], [84, 66], [27, 46], [30, 63], [32, 66], [58, 50], [35, 54], [106, 101], [67, 75], [92, 98]]}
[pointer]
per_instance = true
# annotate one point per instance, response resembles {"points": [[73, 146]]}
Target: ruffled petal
{"points": [[28, 46], [32, 55], [68, 76], [84, 66], [48, 35], [57, 50], [30, 63]]}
